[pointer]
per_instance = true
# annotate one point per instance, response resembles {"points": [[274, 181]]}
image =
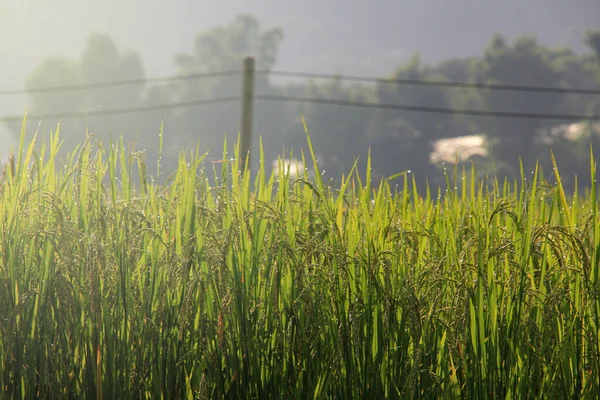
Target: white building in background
{"points": [[570, 132], [462, 148], [296, 167], [459, 149]]}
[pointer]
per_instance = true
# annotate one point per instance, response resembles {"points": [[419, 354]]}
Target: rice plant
{"points": [[279, 287]]}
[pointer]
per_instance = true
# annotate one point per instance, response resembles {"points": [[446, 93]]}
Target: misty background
{"points": [[546, 43]]}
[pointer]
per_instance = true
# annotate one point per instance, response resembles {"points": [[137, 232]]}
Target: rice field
{"points": [[282, 288]]}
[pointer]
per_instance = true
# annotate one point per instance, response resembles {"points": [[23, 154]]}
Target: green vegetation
{"points": [[291, 289]]}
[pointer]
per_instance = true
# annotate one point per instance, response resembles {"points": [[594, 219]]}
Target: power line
{"points": [[426, 109], [49, 89], [387, 106], [130, 110], [416, 82], [356, 78]]}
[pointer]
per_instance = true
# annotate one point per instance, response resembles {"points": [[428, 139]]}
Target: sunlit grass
{"points": [[274, 287]]}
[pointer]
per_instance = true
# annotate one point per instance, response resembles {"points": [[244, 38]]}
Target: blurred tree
{"points": [[455, 70], [406, 136], [592, 72], [580, 71], [522, 63], [100, 62], [460, 70], [592, 39], [337, 132], [221, 49]]}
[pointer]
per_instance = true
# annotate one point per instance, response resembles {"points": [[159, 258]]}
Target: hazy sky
{"points": [[357, 37]]}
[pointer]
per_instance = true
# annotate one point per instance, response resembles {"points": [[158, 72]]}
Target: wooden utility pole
{"points": [[247, 100]]}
